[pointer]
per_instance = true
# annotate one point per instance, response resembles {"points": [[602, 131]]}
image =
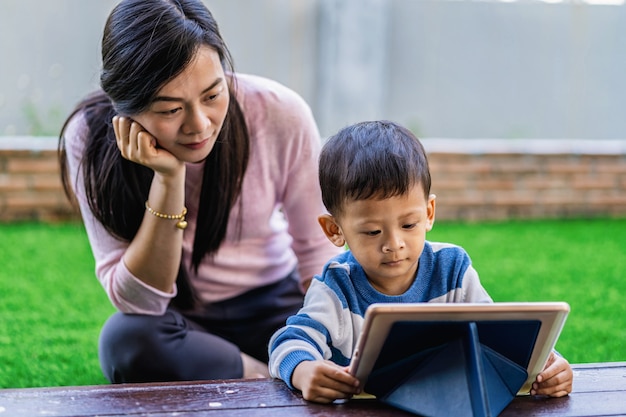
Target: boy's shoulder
{"points": [[344, 280], [340, 263], [444, 256], [444, 247], [436, 246], [341, 270]]}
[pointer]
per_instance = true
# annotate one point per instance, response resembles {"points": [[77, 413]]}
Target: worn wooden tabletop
{"points": [[599, 390]]}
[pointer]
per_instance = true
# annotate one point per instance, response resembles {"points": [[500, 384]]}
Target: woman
{"points": [[198, 190]]}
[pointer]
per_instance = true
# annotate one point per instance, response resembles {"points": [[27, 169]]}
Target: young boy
{"points": [[376, 187]]}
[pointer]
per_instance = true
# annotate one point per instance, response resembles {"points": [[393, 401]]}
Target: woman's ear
{"points": [[331, 229]]}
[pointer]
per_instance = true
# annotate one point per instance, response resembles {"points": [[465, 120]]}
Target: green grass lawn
{"points": [[582, 262], [52, 306]]}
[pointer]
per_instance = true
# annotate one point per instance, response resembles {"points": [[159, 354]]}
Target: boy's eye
{"points": [[409, 226], [372, 232]]}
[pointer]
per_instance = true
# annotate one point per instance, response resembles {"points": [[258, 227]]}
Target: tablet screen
{"points": [[395, 334]]}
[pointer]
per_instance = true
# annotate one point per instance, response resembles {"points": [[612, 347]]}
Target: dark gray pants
{"points": [[206, 345]]}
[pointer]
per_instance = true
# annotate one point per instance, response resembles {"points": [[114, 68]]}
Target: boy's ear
{"points": [[331, 229], [430, 211]]}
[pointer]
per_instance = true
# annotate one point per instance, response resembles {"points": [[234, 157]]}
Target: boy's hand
{"points": [[556, 378], [324, 381]]}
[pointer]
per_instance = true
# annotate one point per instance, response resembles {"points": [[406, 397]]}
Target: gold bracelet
{"points": [[181, 223]]}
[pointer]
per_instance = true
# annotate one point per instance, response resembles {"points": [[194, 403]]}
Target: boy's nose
{"points": [[394, 243]]}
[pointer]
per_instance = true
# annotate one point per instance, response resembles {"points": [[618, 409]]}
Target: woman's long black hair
{"points": [[145, 44]]}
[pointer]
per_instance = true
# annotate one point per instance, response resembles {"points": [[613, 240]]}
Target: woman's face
{"points": [[188, 112]]}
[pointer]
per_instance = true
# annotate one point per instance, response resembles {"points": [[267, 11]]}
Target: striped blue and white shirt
{"points": [[329, 323]]}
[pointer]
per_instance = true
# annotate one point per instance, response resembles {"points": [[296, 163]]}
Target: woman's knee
{"points": [[130, 345], [136, 348]]}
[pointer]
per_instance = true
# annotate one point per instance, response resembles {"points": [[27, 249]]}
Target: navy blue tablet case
{"points": [[453, 368]]}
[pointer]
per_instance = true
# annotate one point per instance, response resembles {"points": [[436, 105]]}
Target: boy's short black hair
{"points": [[379, 159]]}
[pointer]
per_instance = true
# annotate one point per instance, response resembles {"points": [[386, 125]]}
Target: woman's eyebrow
{"points": [[169, 98]]}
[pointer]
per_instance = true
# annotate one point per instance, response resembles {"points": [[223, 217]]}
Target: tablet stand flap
{"points": [[460, 377]]}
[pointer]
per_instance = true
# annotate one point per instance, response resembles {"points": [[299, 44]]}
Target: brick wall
{"points": [[473, 179], [500, 179], [30, 188]]}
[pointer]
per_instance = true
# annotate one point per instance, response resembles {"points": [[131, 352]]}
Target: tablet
{"points": [[524, 332]]}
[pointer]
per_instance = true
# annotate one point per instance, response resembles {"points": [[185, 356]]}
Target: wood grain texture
{"points": [[599, 390]]}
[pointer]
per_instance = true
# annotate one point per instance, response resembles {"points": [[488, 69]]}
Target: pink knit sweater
{"points": [[281, 202]]}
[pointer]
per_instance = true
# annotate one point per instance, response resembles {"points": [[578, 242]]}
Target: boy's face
{"points": [[385, 236]]}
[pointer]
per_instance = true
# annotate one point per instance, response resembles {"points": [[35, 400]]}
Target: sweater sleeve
{"points": [[311, 334], [126, 292], [473, 291]]}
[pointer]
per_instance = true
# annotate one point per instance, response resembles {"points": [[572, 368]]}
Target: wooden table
{"points": [[599, 390]]}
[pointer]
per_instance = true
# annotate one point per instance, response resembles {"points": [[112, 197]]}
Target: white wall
{"points": [[443, 68]]}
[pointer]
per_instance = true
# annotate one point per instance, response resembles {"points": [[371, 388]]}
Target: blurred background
{"points": [[520, 105], [446, 69]]}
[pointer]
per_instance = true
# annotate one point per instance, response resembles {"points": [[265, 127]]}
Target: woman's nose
{"points": [[196, 122]]}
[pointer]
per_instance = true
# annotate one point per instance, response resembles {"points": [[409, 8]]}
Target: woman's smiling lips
{"points": [[196, 146]]}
